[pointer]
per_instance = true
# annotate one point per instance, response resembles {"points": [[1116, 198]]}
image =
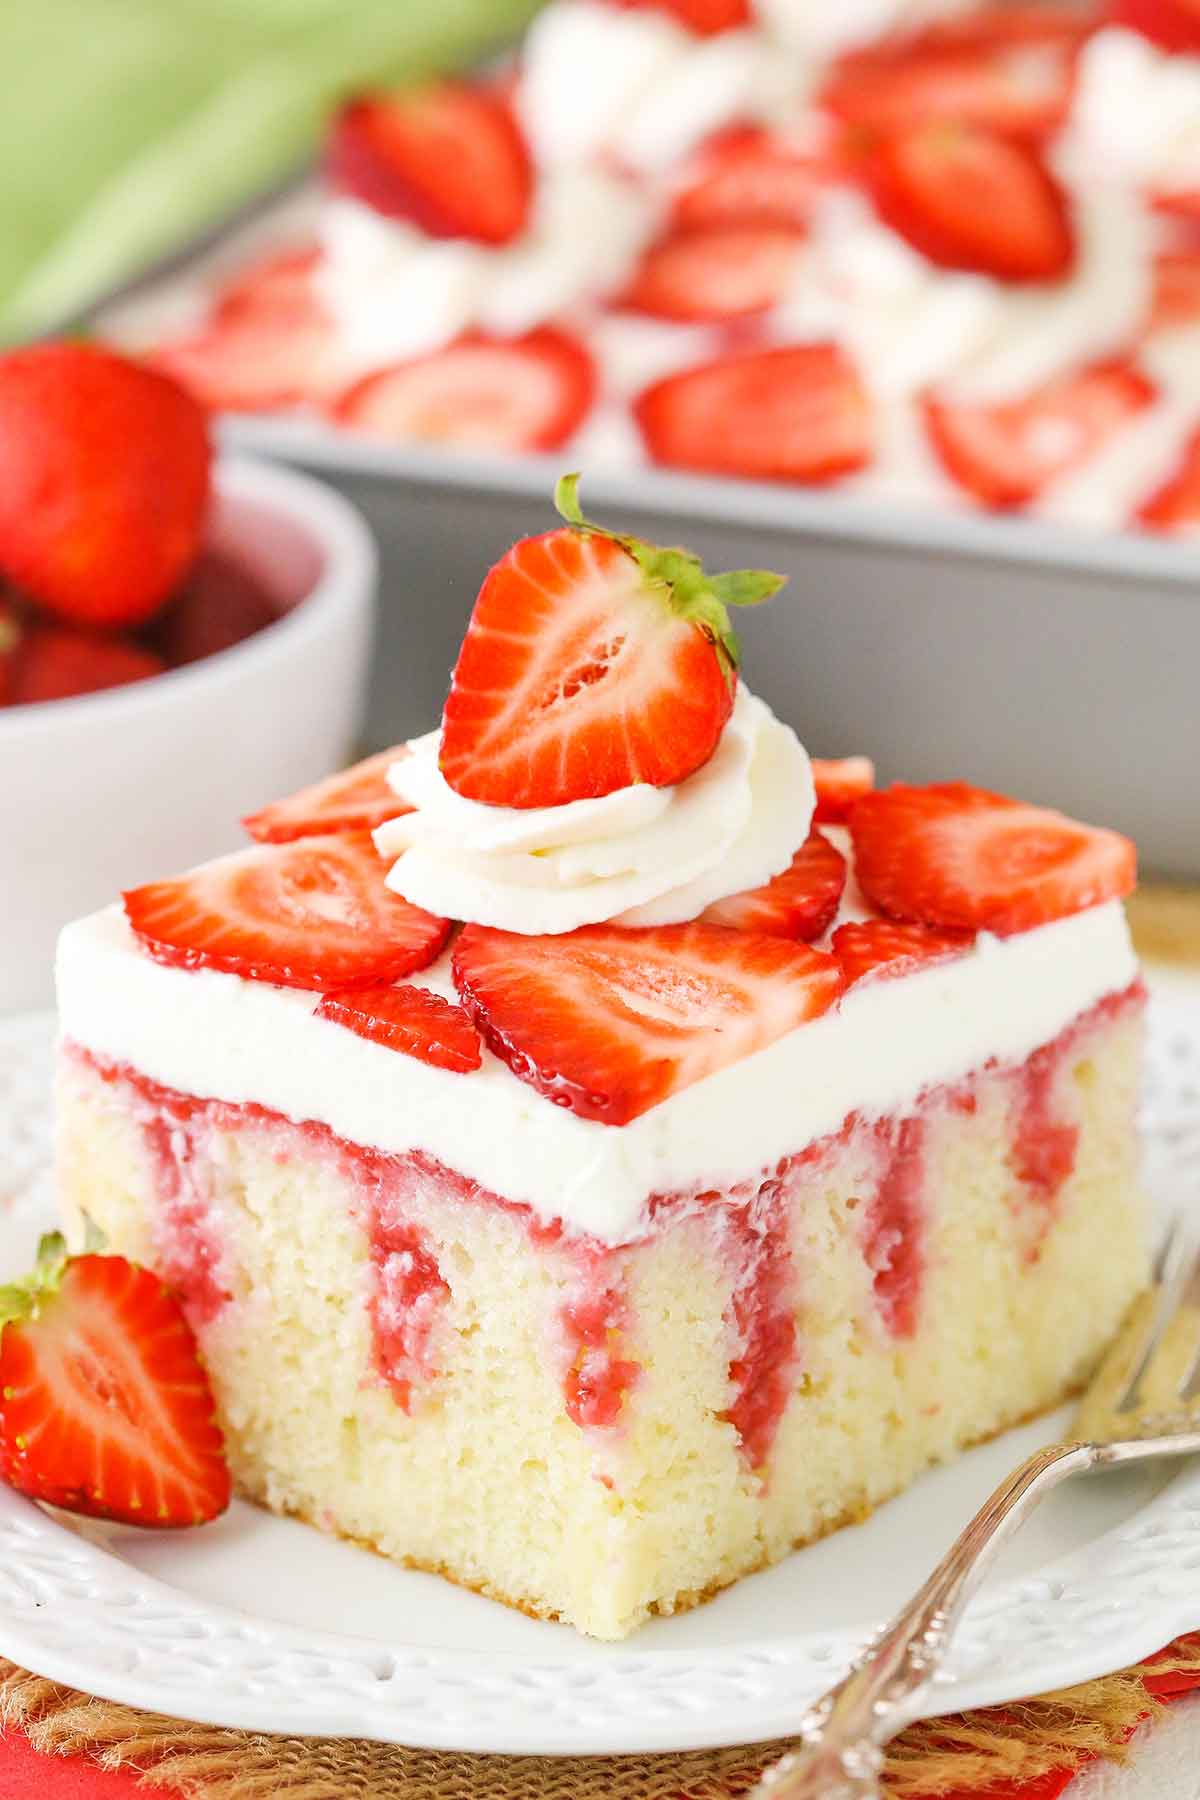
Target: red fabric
{"points": [[27, 1775]]}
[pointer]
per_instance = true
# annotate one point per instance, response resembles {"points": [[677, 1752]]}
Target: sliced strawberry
{"points": [[703, 17], [797, 904], [610, 1022], [1006, 453], [105, 488], [793, 414], [887, 947], [278, 287], [840, 782], [970, 199], [527, 393], [1172, 24], [248, 358], [716, 272], [1176, 505], [592, 661], [1179, 205], [355, 799], [105, 1408], [410, 1019], [1020, 86], [954, 855], [310, 914], [1176, 289], [219, 605], [749, 177], [449, 157], [1064, 22], [53, 662]]}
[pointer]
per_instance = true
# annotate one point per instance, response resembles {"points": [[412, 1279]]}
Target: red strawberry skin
{"points": [[409, 1019], [356, 799], [105, 1408], [218, 606], [449, 158], [1006, 453], [800, 903], [574, 680], [610, 1022], [703, 17], [106, 482], [956, 856], [1172, 24], [716, 272], [53, 662], [840, 781], [484, 393], [971, 199], [887, 947], [11, 632], [311, 914], [788, 414]]}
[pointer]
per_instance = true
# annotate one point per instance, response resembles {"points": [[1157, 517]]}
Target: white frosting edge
{"points": [[215, 1036]]}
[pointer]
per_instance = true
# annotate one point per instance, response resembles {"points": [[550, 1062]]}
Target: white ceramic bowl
{"points": [[111, 789]]}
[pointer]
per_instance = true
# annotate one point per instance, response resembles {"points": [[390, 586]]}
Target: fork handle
{"points": [[841, 1737]]}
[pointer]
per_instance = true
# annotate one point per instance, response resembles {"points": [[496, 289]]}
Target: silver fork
{"points": [[1144, 1402]]}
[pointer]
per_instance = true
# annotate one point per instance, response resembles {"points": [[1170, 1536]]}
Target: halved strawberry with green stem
{"points": [[840, 781], [105, 1408], [955, 855], [878, 947], [309, 914], [410, 1019], [974, 200], [449, 156], [609, 1022], [799, 903], [592, 661], [355, 799]]}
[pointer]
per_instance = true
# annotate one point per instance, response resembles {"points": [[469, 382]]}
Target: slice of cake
{"points": [[752, 1140]]}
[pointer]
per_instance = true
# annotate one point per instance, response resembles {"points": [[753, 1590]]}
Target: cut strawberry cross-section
{"points": [[1009, 74], [105, 1408], [277, 288], [749, 177], [1176, 504], [410, 1019], [483, 393], [1176, 298], [1006, 453], [800, 903], [840, 781], [970, 199], [887, 947], [355, 799], [610, 1022], [955, 855], [716, 272], [251, 358], [592, 661], [450, 157], [310, 914], [796, 413]]}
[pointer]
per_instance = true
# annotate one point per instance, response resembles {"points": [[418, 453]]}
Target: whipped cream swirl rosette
{"points": [[638, 856]]}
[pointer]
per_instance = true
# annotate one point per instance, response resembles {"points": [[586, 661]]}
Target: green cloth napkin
{"points": [[129, 125]]}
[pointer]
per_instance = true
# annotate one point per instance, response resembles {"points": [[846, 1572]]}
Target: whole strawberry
{"points": [[105, 1408], [106, 482]]}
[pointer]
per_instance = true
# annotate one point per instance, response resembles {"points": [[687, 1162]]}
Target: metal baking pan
{"points": [[1058, 665]]}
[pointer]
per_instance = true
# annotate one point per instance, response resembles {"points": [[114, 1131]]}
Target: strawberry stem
{"points": [[688, 588]]}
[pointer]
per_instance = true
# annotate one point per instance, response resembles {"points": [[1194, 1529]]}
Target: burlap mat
{"points": [[969, 1753]]}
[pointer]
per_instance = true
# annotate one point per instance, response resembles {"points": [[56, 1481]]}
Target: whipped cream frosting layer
{"points": [[639, 856], [214, 1036]]}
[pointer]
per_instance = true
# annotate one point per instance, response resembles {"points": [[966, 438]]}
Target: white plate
{"points": [[262, 1623]]}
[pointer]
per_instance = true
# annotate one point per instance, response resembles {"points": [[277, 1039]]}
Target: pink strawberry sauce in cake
{"points": [[409, 1291]]}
